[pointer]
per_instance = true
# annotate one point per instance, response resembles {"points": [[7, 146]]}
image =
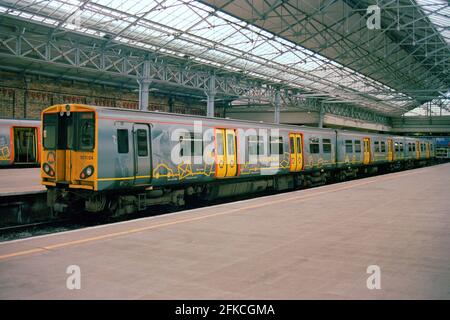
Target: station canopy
{"points": [[322, 48]]}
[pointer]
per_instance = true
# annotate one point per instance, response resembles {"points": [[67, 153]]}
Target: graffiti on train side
{"points": [[5, 153]]}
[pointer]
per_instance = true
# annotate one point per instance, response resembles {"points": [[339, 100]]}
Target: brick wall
{"points": [[26, 96]]}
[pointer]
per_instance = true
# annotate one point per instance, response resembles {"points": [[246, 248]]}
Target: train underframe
{"points": [[116, 203]]}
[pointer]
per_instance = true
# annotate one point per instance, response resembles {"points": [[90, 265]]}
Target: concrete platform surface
{"points": [[315, 243], [20, 181]]}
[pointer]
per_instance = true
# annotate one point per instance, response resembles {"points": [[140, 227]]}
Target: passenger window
{"points": [[142, 144], [314, 145], [252, 142], [383, 146], [219, 141], [348, 146], [377, 146], [358, 146], [182, 146], [276, 145], [261, 149], [191, 144], [197, 144], [122, 140], [401, 146], [326, 145]]}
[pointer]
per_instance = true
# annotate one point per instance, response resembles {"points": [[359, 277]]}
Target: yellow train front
{"points": [[68, 151]]}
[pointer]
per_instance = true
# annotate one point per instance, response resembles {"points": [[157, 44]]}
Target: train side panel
{"points": [[170, 139], [350, 149], [5, 144], [319, 149]]}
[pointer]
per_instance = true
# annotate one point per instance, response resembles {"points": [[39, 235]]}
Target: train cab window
{"points": [[326, 145], [401, 146], [358, 146], [276, 145], [122, 140], [348, 146], [383, 146], [397, 147], [314, 146], [142, 143], [86, 123], [377, 146], [49, 132]]}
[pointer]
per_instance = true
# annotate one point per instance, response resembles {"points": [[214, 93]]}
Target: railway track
{"points": [[86, 219]]}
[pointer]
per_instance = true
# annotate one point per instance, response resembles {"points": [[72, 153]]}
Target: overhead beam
{"points": [[80, 56]]}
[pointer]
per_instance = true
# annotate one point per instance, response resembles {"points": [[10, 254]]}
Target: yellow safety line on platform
{"points": [[130, 231]]}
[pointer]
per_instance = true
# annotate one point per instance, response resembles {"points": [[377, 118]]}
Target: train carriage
{"points": [[19, 142], [123, 160]]}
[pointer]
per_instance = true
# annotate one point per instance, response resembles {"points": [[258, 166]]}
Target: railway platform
{"points": [[20, 181], [315, 243]]}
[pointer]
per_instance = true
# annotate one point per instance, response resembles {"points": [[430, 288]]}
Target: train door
{"points": [[226, 158], [296, 152], [25, 145], [366, 159], [293, 151], [299, 145], [142, 165], [231, 152], [221, 158], [417, 150], [390, 150]]}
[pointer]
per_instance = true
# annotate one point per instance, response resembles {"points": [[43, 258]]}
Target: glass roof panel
{"points": [[186, 27]]}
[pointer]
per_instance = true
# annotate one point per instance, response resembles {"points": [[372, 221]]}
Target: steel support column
{"points": [[277, 106], [144, 84], [210, 95], [321, 116]]}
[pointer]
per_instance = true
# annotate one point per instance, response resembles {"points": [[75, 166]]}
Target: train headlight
{"points": [[48, 169], [87, 172]]}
